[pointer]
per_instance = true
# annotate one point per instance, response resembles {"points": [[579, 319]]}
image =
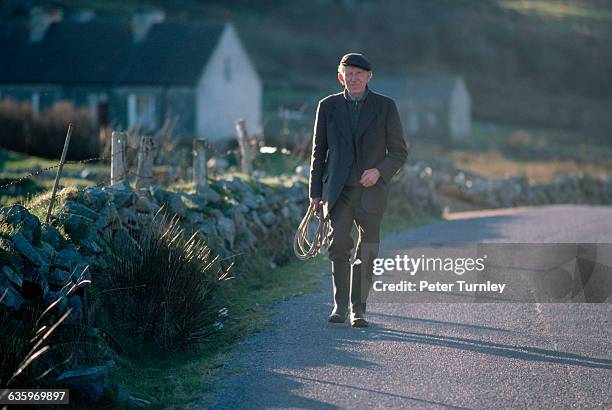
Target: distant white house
{"points": [[133, 73], [430, 106]]}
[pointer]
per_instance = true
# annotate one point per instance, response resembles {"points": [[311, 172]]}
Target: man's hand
{"points": [[369, 177], [316, 203]]}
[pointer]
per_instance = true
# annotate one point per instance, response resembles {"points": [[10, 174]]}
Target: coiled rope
{"points": [[305, 247]]}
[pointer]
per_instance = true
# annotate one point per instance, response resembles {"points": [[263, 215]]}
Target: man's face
{"points": [[354, 79]]}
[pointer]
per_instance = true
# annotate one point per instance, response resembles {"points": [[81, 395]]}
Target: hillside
{"points": [[541, 62]]}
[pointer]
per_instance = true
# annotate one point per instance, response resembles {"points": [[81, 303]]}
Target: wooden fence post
{"points": [[118, 144], [247, 149], [144, 177], [59, 172], [200, 171]]}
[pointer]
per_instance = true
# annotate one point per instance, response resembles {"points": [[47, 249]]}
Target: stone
{"points": [[76, 304], [26, 249], [158, 194], [297, 212], [96, 198], [107, 216], [128, 218], [58, 277], [122, 236], [69, 258], [144, 205], [238, 218], [77, 227], [193, 202], [122, 197], [52, 236], [223, 186], [23, 221], [72, 207], [90, 246], [88, 385], [227, 230], [52, 296], [47, 250], [195, 218], [261, 200], [9, 297], [143, 220], [269, 218], [11, 276], [208, 227], [258, 222], [250, 202], [249, 238], [210, 195], [121, 186], [232, 202], [176, 205], [239, 185]]}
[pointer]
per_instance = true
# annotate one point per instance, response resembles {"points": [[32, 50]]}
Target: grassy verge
{"points": [[498, 151], [14, 166], [188, 377]]}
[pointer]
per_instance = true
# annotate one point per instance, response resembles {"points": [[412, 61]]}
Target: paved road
{"points": [[457, 355]]}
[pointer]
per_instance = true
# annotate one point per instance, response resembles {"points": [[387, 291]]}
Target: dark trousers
{"points": [[352, 282]]}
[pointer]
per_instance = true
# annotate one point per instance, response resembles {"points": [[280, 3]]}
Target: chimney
{"points": [[143, 21], [40, 20], [82, 15]]}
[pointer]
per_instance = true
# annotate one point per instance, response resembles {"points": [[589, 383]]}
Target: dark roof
{"points": [[418, 87], [91, 52], [173, 53], [13, 36], [101, 51]]}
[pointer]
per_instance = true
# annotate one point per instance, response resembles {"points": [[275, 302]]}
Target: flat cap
{"points": [[356, 60]]}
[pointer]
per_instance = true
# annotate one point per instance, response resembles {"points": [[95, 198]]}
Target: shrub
{"points": [[161, 289], [33, 344], [44, 136]]}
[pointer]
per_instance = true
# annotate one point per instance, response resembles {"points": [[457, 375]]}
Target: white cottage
{"points": [[198, 71], [134, 72], [430, 106]]}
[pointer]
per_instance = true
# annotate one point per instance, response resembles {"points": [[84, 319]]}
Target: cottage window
{"points": [[413, 122], [432, 119], [228, 69], [36, 103], [141, 111]]}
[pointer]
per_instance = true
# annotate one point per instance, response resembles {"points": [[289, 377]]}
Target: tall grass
{"points": [[43, 135], [162, 289], [32, 348]]}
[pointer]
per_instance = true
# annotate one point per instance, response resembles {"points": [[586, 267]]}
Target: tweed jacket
{"points": [[379, 143]]}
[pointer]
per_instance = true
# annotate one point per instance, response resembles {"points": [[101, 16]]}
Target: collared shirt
{"points": [[361, 97], [354, 105]]}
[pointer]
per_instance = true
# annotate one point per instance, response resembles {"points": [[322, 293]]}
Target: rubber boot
{"points": [[340, 281], [359, 294]]}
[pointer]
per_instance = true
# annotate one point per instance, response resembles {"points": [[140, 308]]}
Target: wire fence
{"points": [[39, 200]]}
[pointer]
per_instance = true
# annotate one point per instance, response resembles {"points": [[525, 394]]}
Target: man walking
{"points": [[358, 145]]}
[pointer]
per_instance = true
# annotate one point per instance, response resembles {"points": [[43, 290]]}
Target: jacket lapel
{"points": [[341, 120]]}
